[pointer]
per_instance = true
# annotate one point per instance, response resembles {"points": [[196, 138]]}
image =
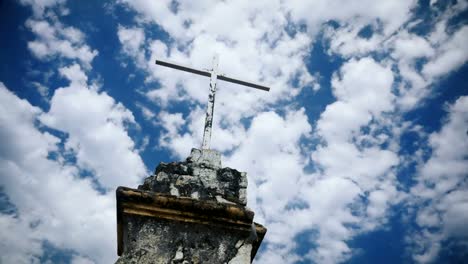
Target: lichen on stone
{"points": [[164, 227], [200, 176]]}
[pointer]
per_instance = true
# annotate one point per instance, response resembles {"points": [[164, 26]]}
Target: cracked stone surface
{"points": [[163, 241], [200, 176], [157, 240]]}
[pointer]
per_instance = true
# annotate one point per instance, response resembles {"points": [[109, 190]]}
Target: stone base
{"points": [[158, 228], [165, 241], [200, 177]]}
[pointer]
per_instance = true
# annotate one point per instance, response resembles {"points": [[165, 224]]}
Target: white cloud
{"points": [[96, 127], [443, 53], [277, 182], [410, 46], [172, 137], [441, 191], [74, 74], [148, 114], [363, 91], [54, 39], [263, 41], [53, 203], [81, 260], [252, 50], [274, 163], [132, 40], [255, 44], [40, 6], [450, 55], [391, 14], [347, 42], [19, 243], [41, 89], [171, 122]]}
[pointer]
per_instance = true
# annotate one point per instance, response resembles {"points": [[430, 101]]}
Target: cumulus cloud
{"points": [[450, 55], [94, 123], [132, 40], [437, 53], [20, 244], [54, 39], [77, 259], [329, 180], [59, 182], [441, 191], [391, 14], [411, 46], [362, 168], [250, 47], [40, 6], [47, 193], [361, 129], [38, 177], [363, 90], [291, 201], [276, 168]]}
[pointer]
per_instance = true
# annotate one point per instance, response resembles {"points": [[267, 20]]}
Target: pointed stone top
{"points": [[208, 157], [199, 177]]}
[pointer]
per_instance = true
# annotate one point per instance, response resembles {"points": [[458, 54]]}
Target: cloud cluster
{"points": [[253, 43], [325, 179], [54, 40], [52, 202], [441, 192], [387, 73], [57, 41], [295, 203], [58, 167], [355, 158], [38, 175], [93, 139], [40, 7]]}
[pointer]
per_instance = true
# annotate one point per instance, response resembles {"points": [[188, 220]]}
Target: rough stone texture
{"points": [[188, 212], [164, 241], [210, 158], [201, 176]]}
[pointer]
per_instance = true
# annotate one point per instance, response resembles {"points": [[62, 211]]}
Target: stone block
{"points": [[207, 157], [156, 228], [201, 177]]}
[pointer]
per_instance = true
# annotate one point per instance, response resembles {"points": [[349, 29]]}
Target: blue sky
{"points": [[358, 154]]}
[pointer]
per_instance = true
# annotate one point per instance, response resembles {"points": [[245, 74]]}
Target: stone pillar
{"points": [[188, 212]]}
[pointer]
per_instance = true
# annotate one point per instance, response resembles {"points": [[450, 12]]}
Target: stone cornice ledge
{"points": [[184, 209]]}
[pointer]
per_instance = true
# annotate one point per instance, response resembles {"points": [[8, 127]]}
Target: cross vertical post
{"points": [[210, 106]]}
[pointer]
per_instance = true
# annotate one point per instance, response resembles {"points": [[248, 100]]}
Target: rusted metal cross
{"points": [[214, 76]]}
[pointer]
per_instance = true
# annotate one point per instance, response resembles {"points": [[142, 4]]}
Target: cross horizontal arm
{"points": [[250, 84], [208, 74], [183, 68]]}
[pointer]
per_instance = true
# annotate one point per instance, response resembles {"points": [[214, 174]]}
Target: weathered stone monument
{"points": [[193, 211]]}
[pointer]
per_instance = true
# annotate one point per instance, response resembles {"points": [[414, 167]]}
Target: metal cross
{"points": [[214, 76]]}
